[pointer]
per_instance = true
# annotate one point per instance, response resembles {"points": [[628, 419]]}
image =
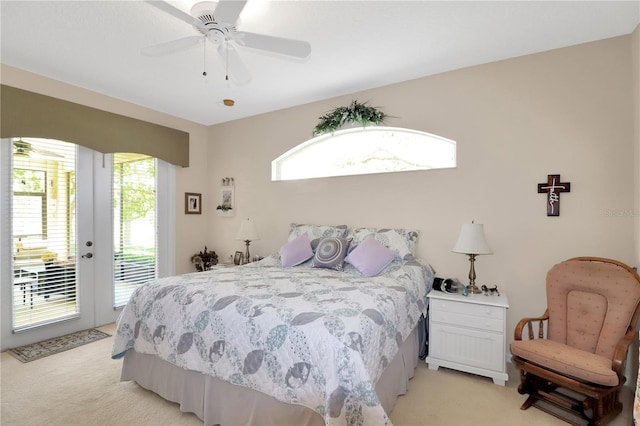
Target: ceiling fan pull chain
{"points": [[204, 66], [226, 45]]}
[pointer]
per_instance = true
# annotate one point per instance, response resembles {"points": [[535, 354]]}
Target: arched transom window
{"points": [[366, 150]]}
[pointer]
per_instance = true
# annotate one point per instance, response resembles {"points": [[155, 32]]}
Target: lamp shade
{"points": [[472, 240], [247, 231]]}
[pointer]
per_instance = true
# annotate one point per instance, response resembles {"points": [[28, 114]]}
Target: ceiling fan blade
{"points": [[228, 11], [166, 7], [283, 46], [236, 68], [172, 46]]}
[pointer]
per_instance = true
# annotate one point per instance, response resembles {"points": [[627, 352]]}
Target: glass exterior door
{"points": [[46, 244], [79, 232], [44, 233], [134, 223]]}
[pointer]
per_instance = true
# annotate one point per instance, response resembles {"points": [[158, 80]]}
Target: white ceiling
{"points": [[356, 45]]}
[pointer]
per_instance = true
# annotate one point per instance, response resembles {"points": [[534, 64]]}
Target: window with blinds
{"points": [[134, 223], [43, 231]]}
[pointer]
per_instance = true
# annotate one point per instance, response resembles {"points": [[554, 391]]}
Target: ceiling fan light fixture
{"points": [[228, 102], [22, 148], [203, 8]]}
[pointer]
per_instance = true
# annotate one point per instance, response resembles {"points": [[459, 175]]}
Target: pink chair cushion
{"points": [[590, 304], [582, 365]]}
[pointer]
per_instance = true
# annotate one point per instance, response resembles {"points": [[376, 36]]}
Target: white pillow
{"points": [[317, 231], [401, 241]]}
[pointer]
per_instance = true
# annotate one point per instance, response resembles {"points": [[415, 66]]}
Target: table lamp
{"points": [[247, 233], [472, 243]]}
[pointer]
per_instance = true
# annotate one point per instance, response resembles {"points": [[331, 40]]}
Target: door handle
{"points": [[88, 255]]}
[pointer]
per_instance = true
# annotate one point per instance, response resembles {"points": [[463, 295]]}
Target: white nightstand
{"points": [[468, 334]]}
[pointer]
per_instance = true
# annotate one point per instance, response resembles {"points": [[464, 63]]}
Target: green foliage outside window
{"points": [[137, 196], [29, 181]]}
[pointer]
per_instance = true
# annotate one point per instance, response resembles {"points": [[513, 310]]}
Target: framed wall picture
{"points": [[226, 204], [192, 203]]}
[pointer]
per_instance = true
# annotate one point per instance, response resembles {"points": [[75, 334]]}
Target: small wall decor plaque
{"points": [[553, 187], [226, 205]]}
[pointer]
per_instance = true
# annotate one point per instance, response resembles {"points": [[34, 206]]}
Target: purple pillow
{"points": [[296, 251], [370, 257]]}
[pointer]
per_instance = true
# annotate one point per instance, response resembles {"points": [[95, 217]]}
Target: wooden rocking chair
{"points": [[574, 369]]}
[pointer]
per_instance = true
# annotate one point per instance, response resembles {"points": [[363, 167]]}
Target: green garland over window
{"points": [[356, 112]]}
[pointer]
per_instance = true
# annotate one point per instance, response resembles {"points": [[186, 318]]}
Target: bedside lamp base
{"points": [[472, 276]]}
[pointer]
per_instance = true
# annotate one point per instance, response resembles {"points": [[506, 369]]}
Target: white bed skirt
{"points": [[221, 403]]}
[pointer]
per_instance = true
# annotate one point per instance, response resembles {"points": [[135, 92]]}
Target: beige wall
{"points": [[635, 45], [632, 358], [566, 111]]}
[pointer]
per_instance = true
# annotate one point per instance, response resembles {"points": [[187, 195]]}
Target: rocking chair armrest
{"points": [[620, 353], [517, 335]]}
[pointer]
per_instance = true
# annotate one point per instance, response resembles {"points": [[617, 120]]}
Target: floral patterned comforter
{"points": [[316, 337]]}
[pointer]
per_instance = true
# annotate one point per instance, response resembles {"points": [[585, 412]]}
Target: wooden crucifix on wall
{"points": [[553, 187]]}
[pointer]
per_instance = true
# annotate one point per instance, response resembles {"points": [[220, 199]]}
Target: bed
{"points": [[297, 344]]}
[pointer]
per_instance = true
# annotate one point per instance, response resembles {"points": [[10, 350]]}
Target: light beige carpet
{"points": [[82, 387]]}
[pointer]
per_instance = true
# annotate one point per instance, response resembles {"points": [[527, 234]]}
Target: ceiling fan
{"points": [[216, 22], [25, 149]]}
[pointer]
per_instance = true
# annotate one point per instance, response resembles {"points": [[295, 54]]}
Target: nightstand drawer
{"points": [[468, 333], [467, 347], [472, 309], [471, 321]]}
